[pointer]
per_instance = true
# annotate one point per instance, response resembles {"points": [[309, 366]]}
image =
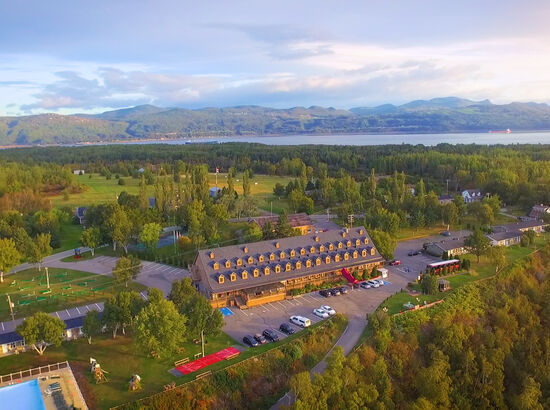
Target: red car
{"points": [[395, 262]]}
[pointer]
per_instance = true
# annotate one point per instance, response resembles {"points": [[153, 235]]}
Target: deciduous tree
{"points": [[9, 256], [91, 238], [41, 330]]}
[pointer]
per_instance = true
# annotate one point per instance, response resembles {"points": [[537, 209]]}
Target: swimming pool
{"points": [[22, 396]]}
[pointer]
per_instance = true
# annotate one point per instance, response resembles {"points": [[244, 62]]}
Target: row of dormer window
{"points": [[291, 253], [308, 263]]}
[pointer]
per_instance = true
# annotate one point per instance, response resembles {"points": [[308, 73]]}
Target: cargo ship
{"points": [[507, 131]]}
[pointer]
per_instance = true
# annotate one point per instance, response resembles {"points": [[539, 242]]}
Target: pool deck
{"points": [[66, 380]]}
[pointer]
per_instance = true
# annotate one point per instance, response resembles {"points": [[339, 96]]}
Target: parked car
{"points": [[373, 283], [250, 341], [394, 262], [411, 253], [321, 313], [325, 292], [260, 339], [366, 285], [343, 290], [271, 335], [445, 233], [379, 281], [328, 309], [286, 328], [335, 292], [300, 321]]}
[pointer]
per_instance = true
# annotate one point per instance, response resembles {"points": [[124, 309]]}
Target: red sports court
{"points": [[207, 360]]}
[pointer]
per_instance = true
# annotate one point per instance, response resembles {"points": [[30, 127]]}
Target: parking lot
{"points": [[355, 305]]}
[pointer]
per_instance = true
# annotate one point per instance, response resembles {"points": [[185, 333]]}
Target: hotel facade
{"points": [[261, 272]]}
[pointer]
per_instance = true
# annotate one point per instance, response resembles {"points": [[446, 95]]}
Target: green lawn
{"points": [[395, 303], [121, 357], [69, 237], [28, 290]]}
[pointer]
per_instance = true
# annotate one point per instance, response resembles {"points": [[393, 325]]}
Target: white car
{"points": [[300, 321], [328, 309], [366, 285], [321, 313], [373, 283], [380, 282]]}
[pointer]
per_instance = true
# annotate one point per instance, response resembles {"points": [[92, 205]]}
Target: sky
{"points": [[90, 56]]}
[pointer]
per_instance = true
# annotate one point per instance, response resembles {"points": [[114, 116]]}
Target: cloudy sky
{"points": [[71, 56]]}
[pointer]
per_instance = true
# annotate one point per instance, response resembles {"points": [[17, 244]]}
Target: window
{"points": [[216, 266], [318, 261], [271, 256], [312, 249], [357, 242], [364, 253], [355, 254], [211, 254], [261, 258], [292, 253], [336, 258], [227, 264], [233, 277], [282, 255], [277, 245], [366, 241], [331, 247], [288, 267], [360, 232], [266, 270], [372, 251], [348, 244], [277, 268], [327, 260], [321, 249], [308, 263], [340, 245], [346, 256], [250, 260], [302, 251], [256, 272], [239, 262], [316, 238], [221, 279], [245, 249], [298, 265], [244, 274]]}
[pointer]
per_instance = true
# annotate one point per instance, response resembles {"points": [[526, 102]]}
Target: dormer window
{"points": [[343, 234], [336, 258], [271, 256], [331, 247], [233, 276], [321, 248], [266, 270], [308, 263], [302, 251], [357, 242], [327, 260], [250, 260], [298, 265], [245, 249], [239, 262], [216, 266], [355, 254], [316, 238], [372, 251], [292, 253], [340, 245], [261, 258], [288, 267], [211, 255], [282, 255], [244, 274], [277, 245], [312, 249], [346, 256], [364, 253], [360, 232], [227, 264], [256, 272], [318, 261], [348, 243], [366, 241], [221, 279], [277, 268]]}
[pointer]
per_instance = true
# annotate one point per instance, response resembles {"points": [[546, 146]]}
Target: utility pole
{"points": [[350, 220], [202, 342], [447, 186], [328, 215], [11, 308], [47, 277]]}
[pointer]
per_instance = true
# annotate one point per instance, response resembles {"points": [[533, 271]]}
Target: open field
{"points": [[28, 290]]}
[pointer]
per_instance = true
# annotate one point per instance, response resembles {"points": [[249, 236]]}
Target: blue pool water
{"points": [[22, 396], [226, 311]]}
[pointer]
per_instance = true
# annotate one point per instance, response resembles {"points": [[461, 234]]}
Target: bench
{"points": [[178, 363], [201, 375], [232, 356]]}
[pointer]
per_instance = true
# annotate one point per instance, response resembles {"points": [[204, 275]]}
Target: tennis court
{"points": [[207, 360]]}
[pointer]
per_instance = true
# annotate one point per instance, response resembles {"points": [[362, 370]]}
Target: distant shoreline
{"points": [[230, 138]]}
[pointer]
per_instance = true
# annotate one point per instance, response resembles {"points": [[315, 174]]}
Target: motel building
{"points": [[255, 273]]}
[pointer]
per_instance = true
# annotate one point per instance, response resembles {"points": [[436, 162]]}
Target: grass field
{"points": [[28, 290], [121, 357], [69, 237]]}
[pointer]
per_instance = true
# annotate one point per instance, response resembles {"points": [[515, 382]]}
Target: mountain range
{"points": [[438, 115]]}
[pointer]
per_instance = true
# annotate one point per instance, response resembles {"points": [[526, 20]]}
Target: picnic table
{"points": [[45, 291], [25, 287], [13, 283], [98, 288], [41, 299], [66, 287], [84, 284], [25, 302]]}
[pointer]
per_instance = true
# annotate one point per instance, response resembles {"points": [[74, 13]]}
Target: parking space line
{"points": [[284, 307], [88, 308], [243, 312], [78, 310], [298, 303]]}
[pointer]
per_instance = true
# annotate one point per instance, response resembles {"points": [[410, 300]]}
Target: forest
{"points": [[486, 347]]}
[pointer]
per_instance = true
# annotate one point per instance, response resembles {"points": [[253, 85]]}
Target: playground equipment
{"points": [[77, 254], [99, 373], [134, 383]]}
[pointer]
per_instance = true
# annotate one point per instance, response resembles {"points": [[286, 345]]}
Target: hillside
{"points": [[448, 114]]}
